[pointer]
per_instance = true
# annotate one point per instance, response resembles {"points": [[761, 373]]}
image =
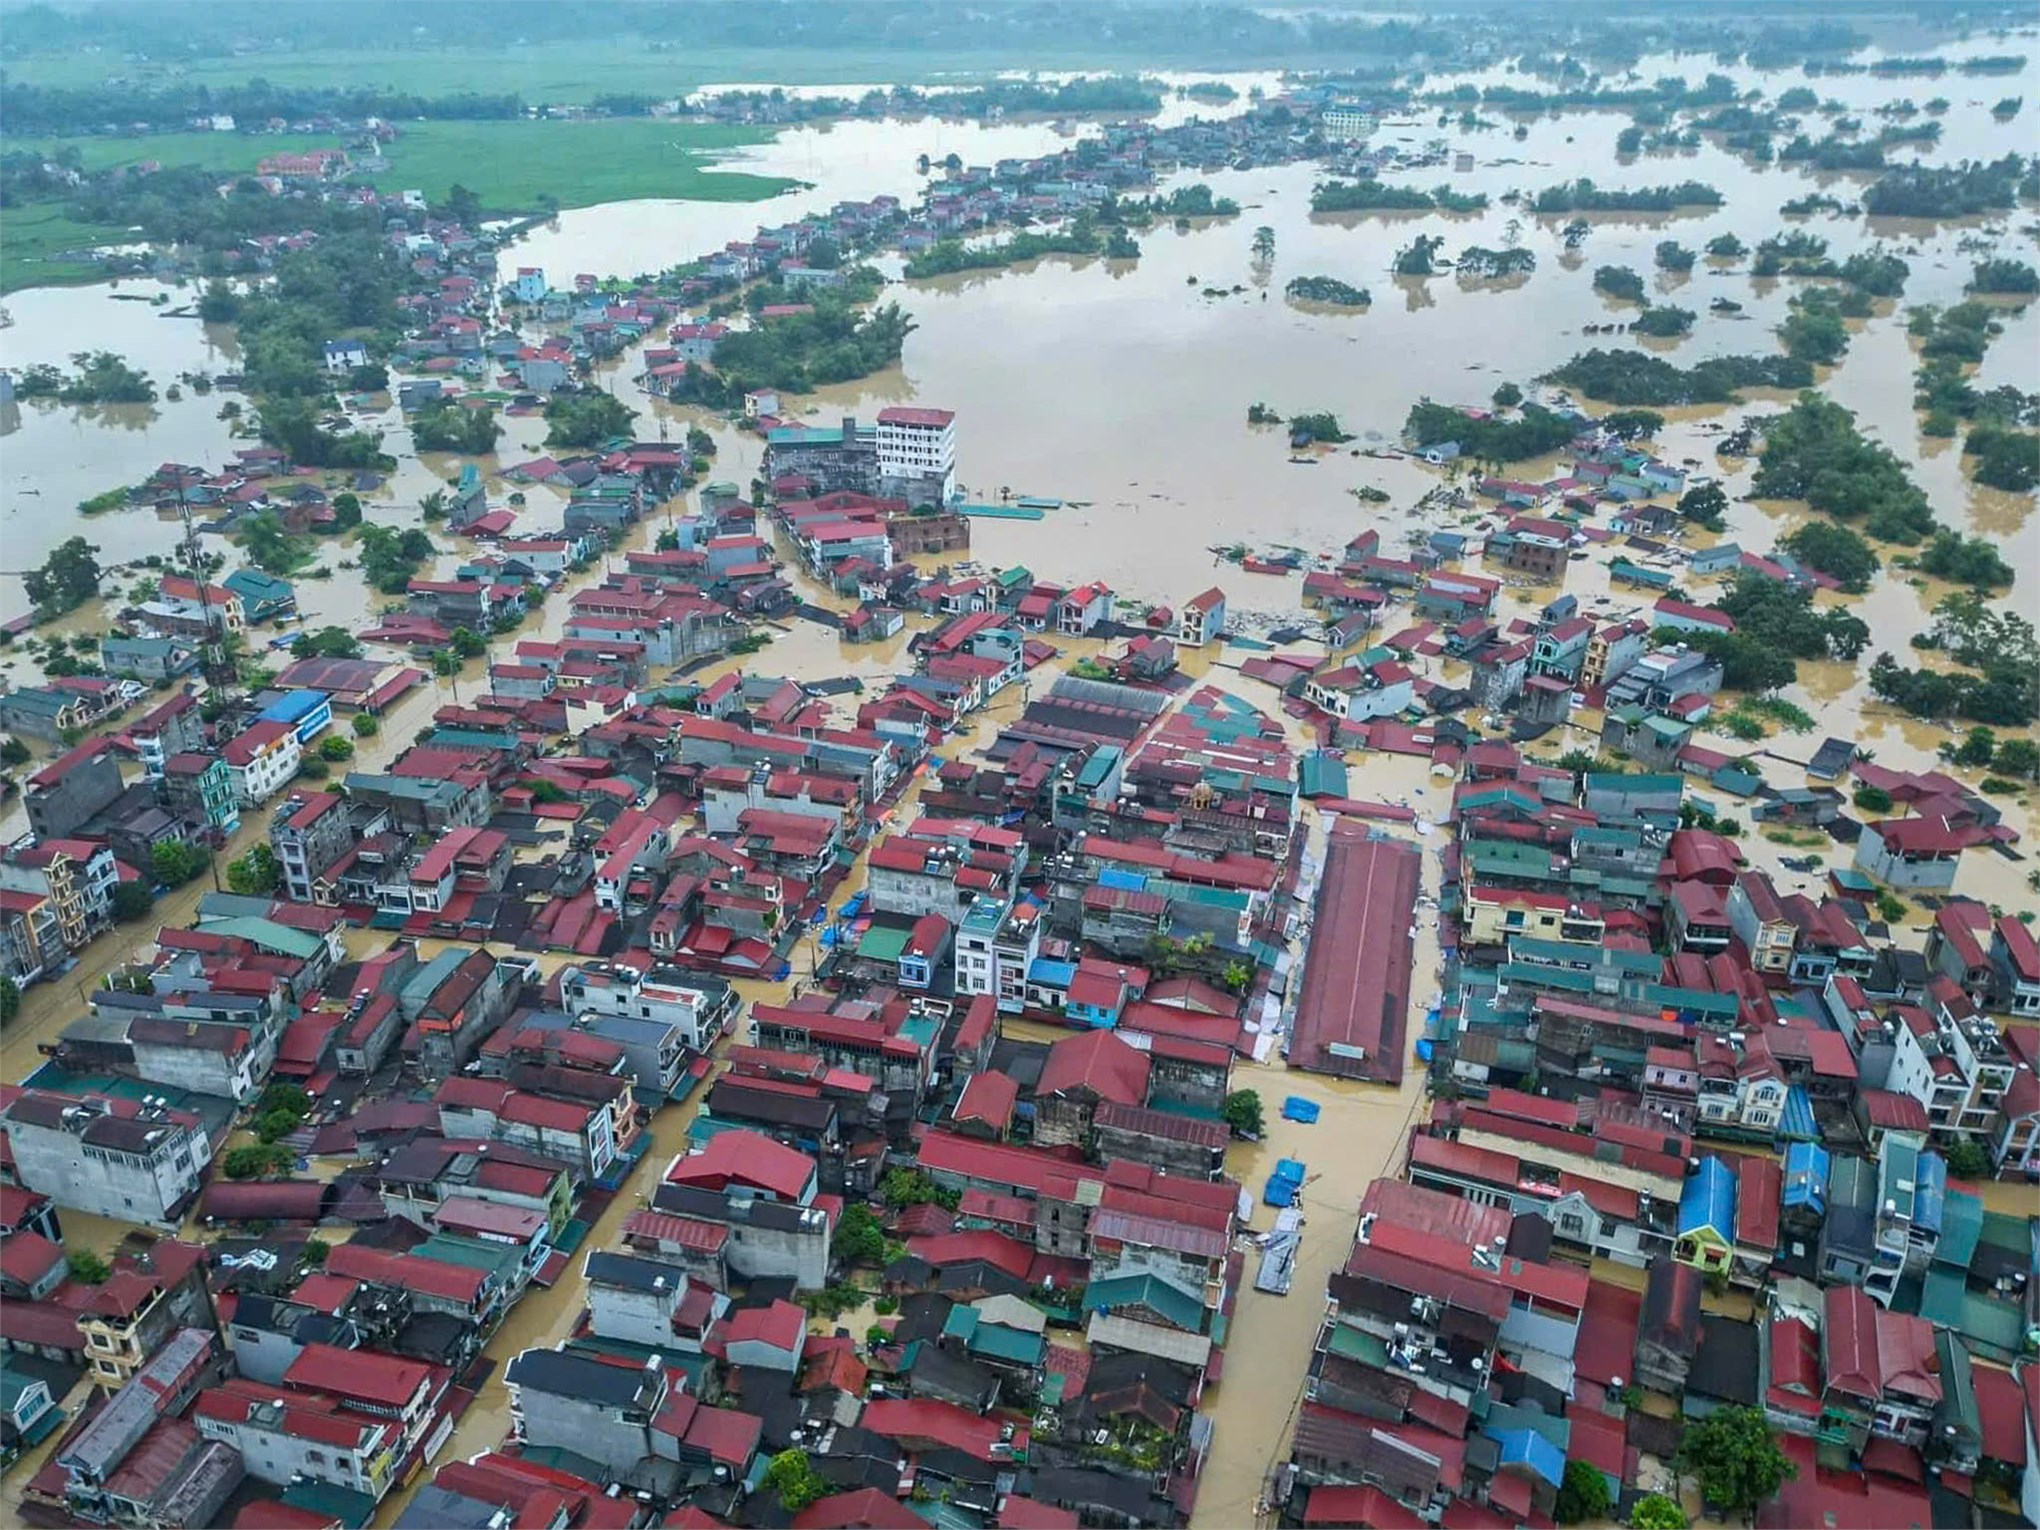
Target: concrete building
{"points": [[43, 713], [594, 1409], [1911, 853], [262, 760], [647, 1301], [917, 454], [201, 787], [696, 1007], [996, 947], [284, 1443], [147, 659], [66, 793], [311, 833], [112, 1159], [225, 1060]]}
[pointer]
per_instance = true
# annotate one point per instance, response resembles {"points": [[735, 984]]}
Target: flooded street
{"points": [[1122, 389]]}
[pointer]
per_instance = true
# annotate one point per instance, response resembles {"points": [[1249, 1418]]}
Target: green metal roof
{"points": [[1350, 1343], [998, 1342], [470, 1253], [1997, 1329], [883, 943], [1322, 775], [1149, 1290], [267, 934], [351, 1508]]}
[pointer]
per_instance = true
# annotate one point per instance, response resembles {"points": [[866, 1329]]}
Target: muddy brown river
{"points": [[1122, 388]]}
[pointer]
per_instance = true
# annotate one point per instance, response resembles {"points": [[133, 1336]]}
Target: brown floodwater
{"points": [[1122, 388]]}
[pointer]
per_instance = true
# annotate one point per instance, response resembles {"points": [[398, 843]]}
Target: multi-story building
{"points": [[1757, 916], [942, 868], [1912, 1187], [693, 1008], [370, 1384], [2015, 957], [417, 805], [146, 1299], [113, 1158], [68, 791], [1913, 853], [599, 1411], [310, 834], [286, 1442], [76, 876], [175, 727], [262, 759], [202, 788], [31, 939], [996, 946], [1952, 1061], [917, 454]]}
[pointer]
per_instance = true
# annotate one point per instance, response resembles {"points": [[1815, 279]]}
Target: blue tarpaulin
{"points": [[1297, 1108], [1285, 1183]]}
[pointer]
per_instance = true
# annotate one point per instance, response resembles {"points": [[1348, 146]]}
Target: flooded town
{"points": [[846, 766]]}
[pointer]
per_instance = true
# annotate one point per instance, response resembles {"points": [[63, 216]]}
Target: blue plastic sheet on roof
{"points": [[1123, 881], [1297, 1108]]}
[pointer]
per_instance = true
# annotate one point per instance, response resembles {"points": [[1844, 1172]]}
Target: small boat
{"points": [[1265, 566], [1304, 461]]}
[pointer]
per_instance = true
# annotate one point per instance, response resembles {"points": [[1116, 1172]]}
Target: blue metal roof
{"points": [[1708, 1201], [1526, 1447], [1797, 1124], [1930, 1191], [293, 706], [1051, 974], [1806, 1172]]}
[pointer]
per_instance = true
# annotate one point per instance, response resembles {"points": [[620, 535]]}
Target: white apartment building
{"points": [[918, 445], [996, 945], [1954, 1063]]}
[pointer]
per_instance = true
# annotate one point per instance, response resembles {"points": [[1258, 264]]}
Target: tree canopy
{"points": [[585, 420], [1734, 1454], [1815, 453], [68, 578]]}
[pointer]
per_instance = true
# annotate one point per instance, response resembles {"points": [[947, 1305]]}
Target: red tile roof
{"points": [[989, 1098], [1356, 977], [452, 1282], [312, 1422], [745, 1158], [1759, 1189], [1020, 1513], [27, 1257], [725, 1435], [682, 1232], [925, 1422], [780, 1325], [1849, 1347], [1332, 1504], [357, 1375], [996, 1249], [2001, 1405], [1889, 1111], [1098, 1063]]}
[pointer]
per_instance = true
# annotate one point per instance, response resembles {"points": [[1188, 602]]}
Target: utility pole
{"points": [[220, 673]]}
